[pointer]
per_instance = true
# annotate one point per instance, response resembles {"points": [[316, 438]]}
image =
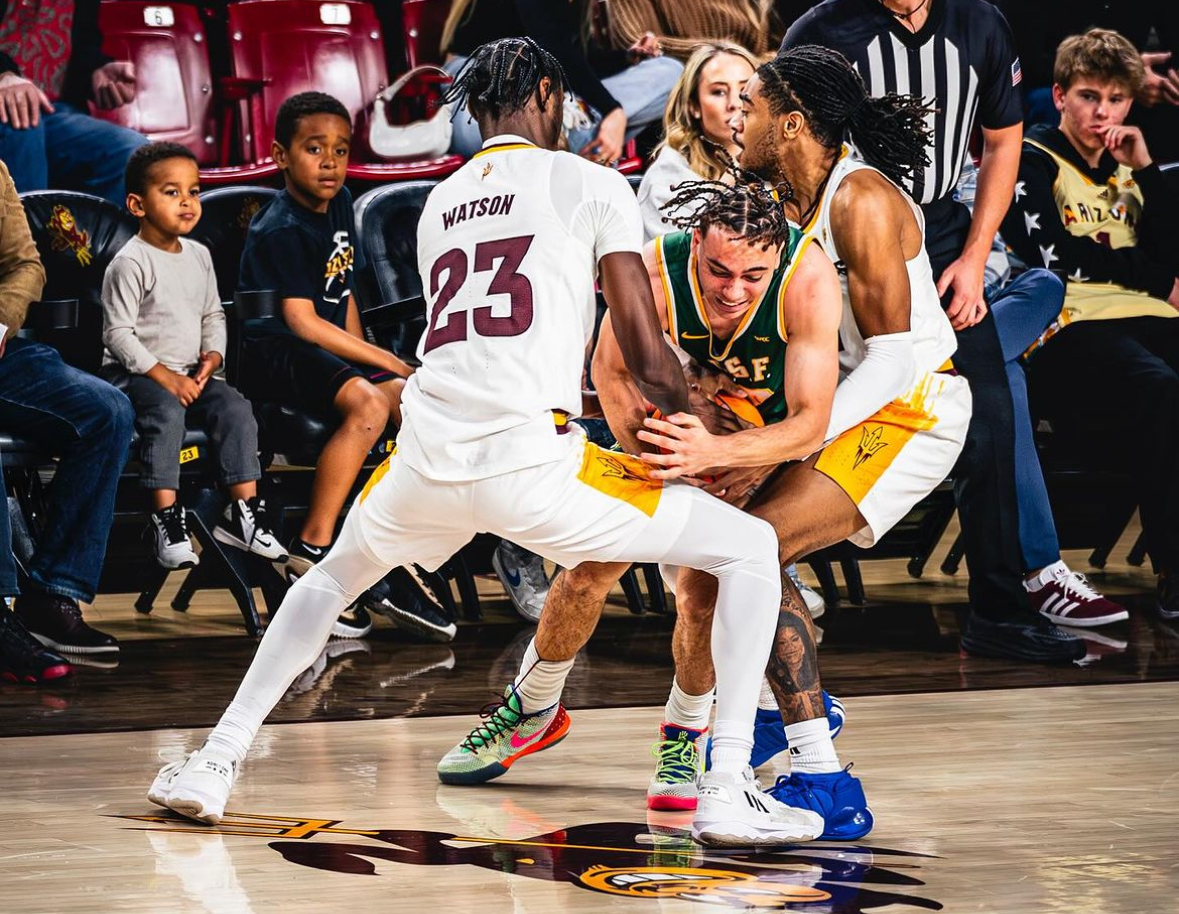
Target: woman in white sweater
{"points": [[696, 122]]}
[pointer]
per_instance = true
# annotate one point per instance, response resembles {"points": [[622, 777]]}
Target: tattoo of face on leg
{"points": [[793, 669]]}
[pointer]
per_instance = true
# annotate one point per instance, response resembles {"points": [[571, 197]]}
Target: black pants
{"points": [[985, 475], [1125, 374]]}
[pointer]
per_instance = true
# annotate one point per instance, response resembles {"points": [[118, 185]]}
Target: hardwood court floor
{"points": [[1012, 801]]}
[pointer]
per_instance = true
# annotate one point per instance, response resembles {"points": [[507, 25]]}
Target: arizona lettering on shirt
{"points": [[499, 205]]}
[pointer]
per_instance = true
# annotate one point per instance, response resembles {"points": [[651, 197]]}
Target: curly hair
{"points": [[748, 207]]}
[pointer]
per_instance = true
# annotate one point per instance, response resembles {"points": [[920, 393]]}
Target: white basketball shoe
{"points": [[733, 812], [197, 787]]}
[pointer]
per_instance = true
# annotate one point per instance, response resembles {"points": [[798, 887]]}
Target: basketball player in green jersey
{"points": [[731, 290]]}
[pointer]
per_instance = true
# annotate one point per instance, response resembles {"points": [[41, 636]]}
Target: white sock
{"points": [[684, 710], [540, 682], [294, 639], [767, 701], [811, 749], [1047, 575]]}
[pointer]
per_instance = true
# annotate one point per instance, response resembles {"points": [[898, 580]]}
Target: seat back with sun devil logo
{"points": [[77, 235]]}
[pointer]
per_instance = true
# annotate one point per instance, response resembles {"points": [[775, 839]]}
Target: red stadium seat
{"points": [[421, 22], [166, 42], [290, 46]]}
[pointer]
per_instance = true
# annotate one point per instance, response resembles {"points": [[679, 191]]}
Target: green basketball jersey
{"points": [[755, 356]]}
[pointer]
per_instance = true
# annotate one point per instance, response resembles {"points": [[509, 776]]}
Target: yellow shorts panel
{"points": [[377, 474], [620, 476], [857, 459]]}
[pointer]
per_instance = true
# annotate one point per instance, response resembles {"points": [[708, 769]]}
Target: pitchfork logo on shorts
{"points": [[68, 236], [871, 442], [628, 859]]}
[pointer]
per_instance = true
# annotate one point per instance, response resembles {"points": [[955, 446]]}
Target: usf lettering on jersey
{"points": [[754, 356]]}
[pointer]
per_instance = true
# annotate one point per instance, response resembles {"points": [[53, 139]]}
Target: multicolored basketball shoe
{"points": [[506, 735], [838, 797], [679, 762]]}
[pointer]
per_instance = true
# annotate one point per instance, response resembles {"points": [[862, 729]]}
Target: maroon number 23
{"points": [[510, 253]]}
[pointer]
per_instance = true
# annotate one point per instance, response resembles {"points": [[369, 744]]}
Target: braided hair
{"points": [[747, 207], [891, 133], [501, 76]]}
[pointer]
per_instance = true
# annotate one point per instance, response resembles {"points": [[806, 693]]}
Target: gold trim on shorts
{"points": [[376, 476]]}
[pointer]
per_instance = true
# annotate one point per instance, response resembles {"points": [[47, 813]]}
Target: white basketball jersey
{"points": [[508, 251], [933, 336]]}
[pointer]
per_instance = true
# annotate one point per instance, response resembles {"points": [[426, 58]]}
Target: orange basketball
{"points": [[743, 408]]}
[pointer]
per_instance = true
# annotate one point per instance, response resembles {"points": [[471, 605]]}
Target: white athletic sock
{"points": [[811, 749], [767, 701], [294, 639], [540, 682], [1047, 575], [684, 710]]}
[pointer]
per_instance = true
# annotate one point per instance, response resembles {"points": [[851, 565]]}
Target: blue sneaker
{"points": [[838, 797], [769, 733]]}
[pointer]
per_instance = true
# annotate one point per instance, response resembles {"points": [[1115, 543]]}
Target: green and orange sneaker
{"points": [[506, 735]]}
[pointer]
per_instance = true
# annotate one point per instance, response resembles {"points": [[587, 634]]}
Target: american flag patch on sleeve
{"points": [[1016, 73]]}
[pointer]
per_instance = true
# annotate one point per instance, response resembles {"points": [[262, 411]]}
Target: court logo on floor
{"points": [[652, 860]]}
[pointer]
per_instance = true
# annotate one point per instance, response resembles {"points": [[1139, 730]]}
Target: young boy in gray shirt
{"points": [[164, 332]]}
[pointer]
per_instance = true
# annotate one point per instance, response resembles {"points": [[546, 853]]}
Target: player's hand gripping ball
{"points": [[742, 407]]}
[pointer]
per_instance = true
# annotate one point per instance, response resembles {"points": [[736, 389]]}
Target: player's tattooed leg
{"points": [[793, 669]]}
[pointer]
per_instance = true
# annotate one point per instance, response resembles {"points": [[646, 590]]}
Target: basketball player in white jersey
{"points": [[900, 414], [509, 247]]}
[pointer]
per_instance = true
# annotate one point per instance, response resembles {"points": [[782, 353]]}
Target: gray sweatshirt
{"points": [[161, 307]]}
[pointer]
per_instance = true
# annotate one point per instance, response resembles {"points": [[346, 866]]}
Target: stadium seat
{"points": [[174, 98], [421, 22], [291, 46], [225, 219]]}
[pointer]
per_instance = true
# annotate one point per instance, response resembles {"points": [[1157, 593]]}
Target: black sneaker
{"points": [[169, 528], [1035, 640], [408, 597], [301, 558], [23, 658], [243, 526], [56, 621], [353, 623], [1168, 598]]}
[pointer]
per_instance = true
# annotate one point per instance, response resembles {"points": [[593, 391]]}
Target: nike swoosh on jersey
{"points": [[694, 336]]}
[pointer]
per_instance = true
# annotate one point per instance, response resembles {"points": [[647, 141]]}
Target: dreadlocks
{"points": [[748, 207], [503, 75], [890, 133]]}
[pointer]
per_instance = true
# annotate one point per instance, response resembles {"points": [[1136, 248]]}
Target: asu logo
{"points": [[613, 468], [250, 207], [486, 170], [870, 444], [67, 236], [653, 860]]}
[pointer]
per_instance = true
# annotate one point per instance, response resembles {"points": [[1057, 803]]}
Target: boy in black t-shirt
{"points": [[314, 357]]}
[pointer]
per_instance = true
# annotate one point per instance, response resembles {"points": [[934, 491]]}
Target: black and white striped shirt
{"points": [[963, 60]]}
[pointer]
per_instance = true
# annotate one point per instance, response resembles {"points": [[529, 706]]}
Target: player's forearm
{"points": [[996, 185], [624, 409], [661, 381], [795, 437]]}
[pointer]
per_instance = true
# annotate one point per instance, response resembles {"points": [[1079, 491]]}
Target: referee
{"points": [[960, 55]]}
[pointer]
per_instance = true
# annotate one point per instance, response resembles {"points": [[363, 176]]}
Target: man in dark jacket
{"points": [[51, 66]]}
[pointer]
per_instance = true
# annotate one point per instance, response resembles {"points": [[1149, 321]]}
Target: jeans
{"points": [[1022, 311], [72, 151], [161, 419], [642, 90], [985, 487], [87, 424]]}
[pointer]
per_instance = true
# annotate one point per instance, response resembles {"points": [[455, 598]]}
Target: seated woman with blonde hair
{"points": [[696, 127]]}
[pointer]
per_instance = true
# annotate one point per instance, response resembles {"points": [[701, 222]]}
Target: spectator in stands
{"points": [[51, 66], [86, 423], [164, 331], [683, 25], [961, 53], [1092, 205], [626, 91], [1040, 27], [696, 129], [314, 356]]}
